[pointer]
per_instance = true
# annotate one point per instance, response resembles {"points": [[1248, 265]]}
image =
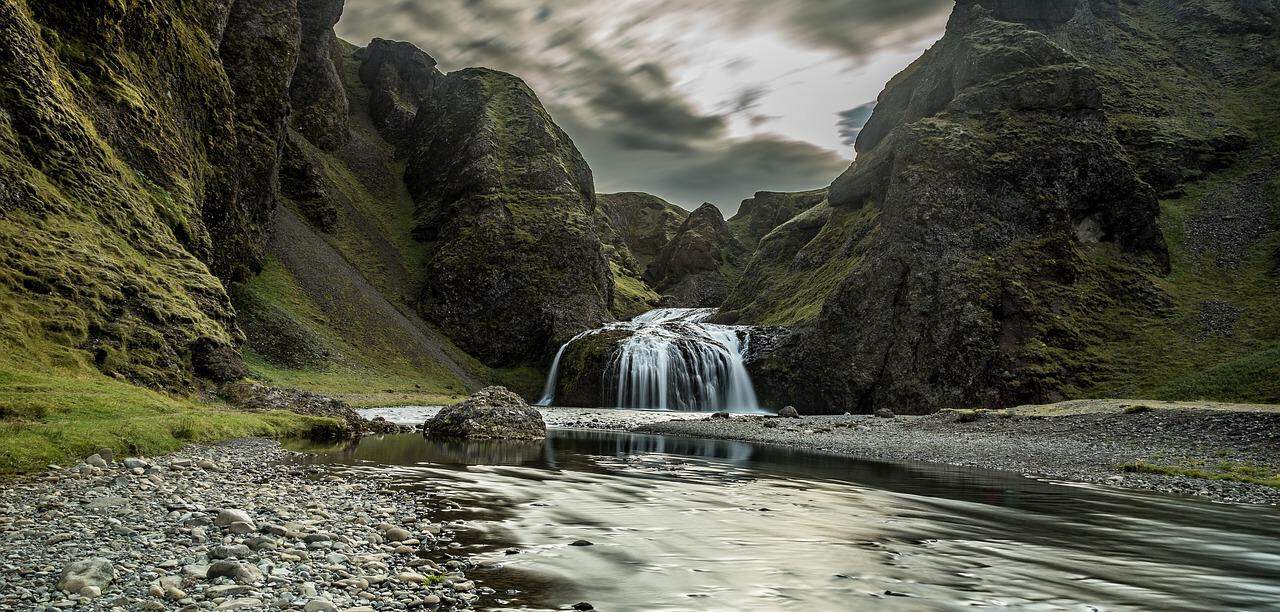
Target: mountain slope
{"points": [[1012, 247]]}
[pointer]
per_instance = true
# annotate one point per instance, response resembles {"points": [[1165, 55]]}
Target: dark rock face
{"points": [[492, 412], [699, 265], [506, 205], [760, 214], [996, 183], [644, 223], [316, 92], [139, 149], [259, 51], [400, 78]]}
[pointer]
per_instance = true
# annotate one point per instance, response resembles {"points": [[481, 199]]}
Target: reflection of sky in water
{"points": [[683, 523]]}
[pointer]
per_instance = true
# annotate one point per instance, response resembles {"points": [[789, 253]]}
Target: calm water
{"points": [[681, 524]]}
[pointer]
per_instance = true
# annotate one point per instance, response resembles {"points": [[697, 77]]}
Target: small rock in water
{"points": [[884, 413], [789, 412], [581, 543], [582, 605], [720, 415]]}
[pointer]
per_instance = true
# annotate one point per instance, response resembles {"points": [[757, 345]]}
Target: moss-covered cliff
{"points": [[999, 238]]}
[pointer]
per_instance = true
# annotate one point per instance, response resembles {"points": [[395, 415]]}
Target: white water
{"points": [[672, 360]]}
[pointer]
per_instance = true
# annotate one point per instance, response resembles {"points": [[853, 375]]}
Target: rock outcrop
{"points": [[643, 223], [138, 173], [492, 412], [766, 210], [995, 219], [316, 93], [504, 202], [697, 267]]}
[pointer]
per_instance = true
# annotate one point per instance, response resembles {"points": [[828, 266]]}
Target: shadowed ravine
{"points": [[680, 523]]}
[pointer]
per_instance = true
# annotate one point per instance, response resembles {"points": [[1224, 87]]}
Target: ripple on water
{"points": [[680, 524]]}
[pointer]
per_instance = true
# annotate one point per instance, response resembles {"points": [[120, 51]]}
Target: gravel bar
{"points": [[223, 527], [1092, 448]]}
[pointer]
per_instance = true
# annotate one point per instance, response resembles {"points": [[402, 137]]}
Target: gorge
{"points": [[1029, 335]]}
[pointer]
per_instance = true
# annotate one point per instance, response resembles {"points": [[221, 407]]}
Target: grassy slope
{"points": [[100, 290], [364, 355], [799, 264], [1171, 357]]}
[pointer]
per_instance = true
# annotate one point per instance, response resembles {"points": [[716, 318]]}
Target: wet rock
{"points": [[493, 412], [582, 605], [720, 415], [581, 543], [789, 412]]}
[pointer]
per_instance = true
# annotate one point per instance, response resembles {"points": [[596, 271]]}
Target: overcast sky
{"points": [[692, 100]]}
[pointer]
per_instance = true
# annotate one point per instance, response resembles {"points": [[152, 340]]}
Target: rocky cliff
{"points": [[700, 263], [138, 152], [157, 158], [999, 230]]}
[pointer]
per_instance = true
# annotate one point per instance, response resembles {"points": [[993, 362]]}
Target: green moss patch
{"points": [[61, 416]]}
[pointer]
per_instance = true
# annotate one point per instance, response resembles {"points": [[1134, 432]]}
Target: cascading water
{"points": [[672, 360]]}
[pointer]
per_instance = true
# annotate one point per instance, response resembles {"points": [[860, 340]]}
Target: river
{"points": [[687, 524]]}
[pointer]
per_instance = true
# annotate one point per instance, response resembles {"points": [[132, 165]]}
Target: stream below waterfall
{"points": [[671, 359], [690, 524]]}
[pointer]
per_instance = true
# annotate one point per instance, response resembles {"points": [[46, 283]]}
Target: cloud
{"points": [[618, 76], [850, 122]]}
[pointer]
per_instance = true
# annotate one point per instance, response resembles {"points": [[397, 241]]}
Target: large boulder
{"points": [[93, 572], [492, 412]]}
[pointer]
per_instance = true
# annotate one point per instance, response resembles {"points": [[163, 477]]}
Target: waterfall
{"points": [[672, 360]]}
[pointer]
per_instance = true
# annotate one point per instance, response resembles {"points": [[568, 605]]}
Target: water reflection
{"points": [[683, 523]]}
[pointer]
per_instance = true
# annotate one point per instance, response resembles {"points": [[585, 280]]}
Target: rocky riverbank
{"points": [[1227, 454], [224, 527]]}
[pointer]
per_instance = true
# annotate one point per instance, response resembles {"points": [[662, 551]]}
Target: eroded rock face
{"points": [[318, 98], [644, 223], [400, 78], [492, 412], [766, 210], [139, 147], [995, 179], [506, 205], [698, 266]]}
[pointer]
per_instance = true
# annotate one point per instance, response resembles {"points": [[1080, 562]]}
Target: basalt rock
{"points": [[316, 92], [644, 223], [700, 263], [492, 412], [400, 78], [991, 218], [138, 150], [505, 204], [766, 210]]}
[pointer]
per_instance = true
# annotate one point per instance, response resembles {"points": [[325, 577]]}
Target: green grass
{"points": [[775, 291], [1167, 356], [1225, 470], [60, 417], [360, 386], [631, 296]]}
